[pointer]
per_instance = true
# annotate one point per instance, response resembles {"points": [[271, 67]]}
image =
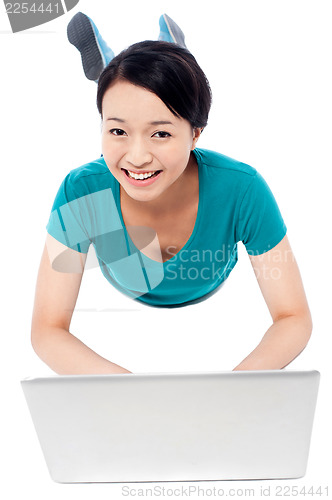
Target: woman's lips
{"points": [[142, 182]]}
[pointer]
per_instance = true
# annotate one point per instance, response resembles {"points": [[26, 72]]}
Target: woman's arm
{"points": [[280, 282], [55, 299]]}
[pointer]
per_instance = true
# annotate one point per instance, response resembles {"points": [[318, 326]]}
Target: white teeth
{"points": [[140, 176]]}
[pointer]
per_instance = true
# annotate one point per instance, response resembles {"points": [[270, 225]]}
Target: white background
{"points": [[269, 66]]}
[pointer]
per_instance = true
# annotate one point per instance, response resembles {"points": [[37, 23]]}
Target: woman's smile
{"points": [[145, 146], [141, 179]]}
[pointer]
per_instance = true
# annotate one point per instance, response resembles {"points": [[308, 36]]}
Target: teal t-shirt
{"points": [[235, 205]]}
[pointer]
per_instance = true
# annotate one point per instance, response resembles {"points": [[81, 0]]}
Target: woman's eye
{"points": [[161, 135], [117, 131]]}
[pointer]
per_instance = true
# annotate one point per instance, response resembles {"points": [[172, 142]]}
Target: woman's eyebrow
{"points": [[161, 122], [157, 122], [116, 119]]}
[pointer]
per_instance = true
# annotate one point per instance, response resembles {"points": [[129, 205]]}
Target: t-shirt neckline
{"points": [[198, 215]]}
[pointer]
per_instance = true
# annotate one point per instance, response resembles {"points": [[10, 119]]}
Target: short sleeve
{"points": [[261, 226], [66, 222]]}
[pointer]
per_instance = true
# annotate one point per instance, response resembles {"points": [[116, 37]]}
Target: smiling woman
{"points": [[141, 149], [154, 198]]}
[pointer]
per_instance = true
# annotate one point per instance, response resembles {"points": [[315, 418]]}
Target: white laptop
{"points": [[174, 427]]}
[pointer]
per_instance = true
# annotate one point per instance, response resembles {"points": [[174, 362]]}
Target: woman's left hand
{"points": [[280, 282]]}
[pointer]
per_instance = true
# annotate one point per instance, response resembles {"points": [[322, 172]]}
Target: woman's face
{"points": [[141, 136]]}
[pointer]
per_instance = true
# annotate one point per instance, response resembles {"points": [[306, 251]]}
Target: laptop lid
{"points": [[174, 427]]}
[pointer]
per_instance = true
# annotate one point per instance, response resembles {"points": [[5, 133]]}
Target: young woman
{"points": [[163, 216]]}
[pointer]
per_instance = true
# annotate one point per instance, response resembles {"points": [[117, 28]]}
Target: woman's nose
{"points": [[138, 154]]}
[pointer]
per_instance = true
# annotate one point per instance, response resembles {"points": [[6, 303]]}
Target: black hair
{"points": [[169, 71]]}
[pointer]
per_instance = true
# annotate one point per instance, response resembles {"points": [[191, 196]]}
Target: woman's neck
{"points": [[181, 191]]}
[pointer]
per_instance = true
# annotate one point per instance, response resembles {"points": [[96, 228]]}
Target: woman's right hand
{"points": [[55, 299]]}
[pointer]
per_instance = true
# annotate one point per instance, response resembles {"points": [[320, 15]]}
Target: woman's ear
{"points": [[196, 135]]}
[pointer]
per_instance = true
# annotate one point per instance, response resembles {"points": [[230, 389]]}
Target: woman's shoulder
{"points": [[223, 164], [90, 177], [93, 168]]}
